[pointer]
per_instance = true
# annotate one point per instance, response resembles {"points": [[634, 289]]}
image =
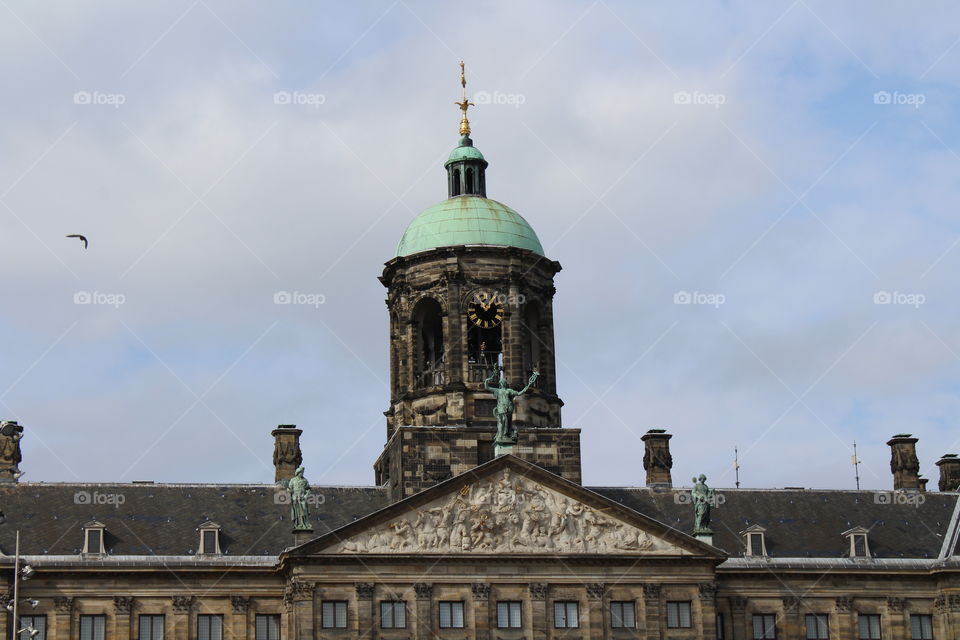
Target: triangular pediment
{"points": [[507, 506]]}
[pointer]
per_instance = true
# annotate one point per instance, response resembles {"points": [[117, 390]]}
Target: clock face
{"points": [[485, 310]]}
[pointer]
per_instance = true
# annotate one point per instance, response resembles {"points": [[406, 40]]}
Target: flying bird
{"points": [[77, 235]]}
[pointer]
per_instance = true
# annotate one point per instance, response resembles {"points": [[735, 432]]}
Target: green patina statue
{"points": [[506, 433], [299, 490], [703, 499]]}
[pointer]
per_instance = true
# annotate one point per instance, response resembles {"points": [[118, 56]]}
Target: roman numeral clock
{"points": [[486, 310]]}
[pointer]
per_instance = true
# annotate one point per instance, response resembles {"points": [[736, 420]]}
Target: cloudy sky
{"points": [[785, 167]]}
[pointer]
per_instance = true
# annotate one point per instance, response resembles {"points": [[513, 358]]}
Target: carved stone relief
{"points": [[506, 513]]}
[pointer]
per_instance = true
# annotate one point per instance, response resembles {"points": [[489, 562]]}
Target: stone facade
{"points": [[541, 544], [416, 458], [437, 379], [441, 418]]}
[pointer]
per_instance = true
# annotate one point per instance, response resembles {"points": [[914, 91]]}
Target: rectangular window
{"points": [[333, 614], [764, 626], [566, 615], [623, 615], [720, 629], [268, 627], [209, 627], [921, 627], [869, 627], [151, 627], [860, 545], [209, 541], [94, 541], [92, 627], [451, 615], [39, 623], [678, 615], [508, 615], [756, 544], [817, 626], [393, 614]]}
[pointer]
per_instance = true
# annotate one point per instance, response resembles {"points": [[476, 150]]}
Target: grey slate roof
{"points": [[162, 519], [802, 523]]}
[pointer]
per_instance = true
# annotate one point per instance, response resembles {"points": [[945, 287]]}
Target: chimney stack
{"points": [[904, 463], [286, 451], [657, 460], [949, 472]]}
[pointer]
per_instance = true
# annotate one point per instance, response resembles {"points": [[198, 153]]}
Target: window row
{"points": [[566, 614], [755, 541], [817, 627], [149, 627], [393, 615], [94, 538]]}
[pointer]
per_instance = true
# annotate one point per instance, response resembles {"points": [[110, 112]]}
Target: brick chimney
{"points": [[286, 451], [657, 460], [903, 462], [949, 472]]}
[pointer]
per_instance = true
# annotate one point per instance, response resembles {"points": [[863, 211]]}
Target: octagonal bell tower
{"points": [[469, 289]]}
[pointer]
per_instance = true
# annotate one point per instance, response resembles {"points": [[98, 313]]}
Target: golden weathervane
{"points": [[464, 104]]}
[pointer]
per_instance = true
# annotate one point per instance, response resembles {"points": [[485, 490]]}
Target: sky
{"points": [[754, 205]]}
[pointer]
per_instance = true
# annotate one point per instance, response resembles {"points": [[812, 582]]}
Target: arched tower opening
{"points": [[428, 333], [484, 349]]}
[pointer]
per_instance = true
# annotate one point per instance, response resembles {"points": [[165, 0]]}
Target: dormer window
{"points": [[93, 533], [755, 540], [859, 545], [209, 538]]}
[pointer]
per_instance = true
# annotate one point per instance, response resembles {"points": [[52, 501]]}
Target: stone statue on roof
{"points": [[299, 490], [10, 455], [506, 432], [703, 499]]}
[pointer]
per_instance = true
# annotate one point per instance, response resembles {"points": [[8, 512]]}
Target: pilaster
{"points": [[708, 609], [239, 621], [738, 617], [538, 609], [123, 607], [366, 620], [424, 617], [182, 607], [596, 601], [651, 609], [481, 610], [302, 611], [846, 623]]}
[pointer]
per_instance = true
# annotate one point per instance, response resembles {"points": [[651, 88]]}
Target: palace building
{"points": [[462, 538]]}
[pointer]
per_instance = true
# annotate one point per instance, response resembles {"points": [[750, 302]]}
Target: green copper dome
{"points": [[466, 220], [464, 153]]}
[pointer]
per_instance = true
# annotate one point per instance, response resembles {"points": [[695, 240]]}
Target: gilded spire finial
{"points": [[464, 104]]}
